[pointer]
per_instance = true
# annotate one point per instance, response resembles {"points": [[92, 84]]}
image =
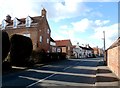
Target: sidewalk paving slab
{"points": [[105, 78]]}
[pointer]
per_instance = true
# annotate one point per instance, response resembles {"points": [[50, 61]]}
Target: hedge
{"points": [[21, 49], [43, 57], [5, 45]]}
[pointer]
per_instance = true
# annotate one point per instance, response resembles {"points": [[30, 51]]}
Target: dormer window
{"points": [[3, 24], [28, 21], [15, 23]]}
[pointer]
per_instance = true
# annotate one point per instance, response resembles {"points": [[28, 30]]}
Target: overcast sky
{"points": [[79, 21]]}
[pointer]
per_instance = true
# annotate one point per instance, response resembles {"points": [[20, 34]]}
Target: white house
{"points": [[77, 51], [82, 51]]}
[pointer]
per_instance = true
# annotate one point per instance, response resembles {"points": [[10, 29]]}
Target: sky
{"points": [[80, 21]]}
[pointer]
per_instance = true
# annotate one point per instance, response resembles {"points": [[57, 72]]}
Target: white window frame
{"points": [[27, 35], [48, 40], [40, 39], [28, 21], [15, 23], [48, 31], [3, 24]]}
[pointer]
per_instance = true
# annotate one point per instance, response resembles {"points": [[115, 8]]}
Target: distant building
{"points": [[64, 46], [98, 51], [37, 28], [82, 51], [53, 46], [113, 57]]}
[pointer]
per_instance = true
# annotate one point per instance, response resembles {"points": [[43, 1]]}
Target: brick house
{"points": [[64, 46], [113, 57], [37, 28], [98, 51]]}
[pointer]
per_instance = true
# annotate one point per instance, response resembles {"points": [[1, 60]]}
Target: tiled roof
{"points": [[89, 48], [115, 44], [62, 42], [73, 46], [35, 19]]}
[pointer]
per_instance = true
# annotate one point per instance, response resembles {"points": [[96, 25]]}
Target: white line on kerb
{"points": [[40, 80]]}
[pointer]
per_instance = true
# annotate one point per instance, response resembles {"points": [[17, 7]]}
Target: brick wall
{"points": [[21, 31], [113, 60], [35, 32]]}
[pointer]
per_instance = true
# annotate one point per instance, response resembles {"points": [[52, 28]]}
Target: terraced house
{"points": [[82, 51], [37, 28]]}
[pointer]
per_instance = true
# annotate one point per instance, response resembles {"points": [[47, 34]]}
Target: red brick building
{"points": [[37, 28], [98, 51], [113, 57], [64, 46]]}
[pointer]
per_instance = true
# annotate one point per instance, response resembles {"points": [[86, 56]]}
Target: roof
{"points": [[115, 44], [51, 39], [35, 19], [63, 42], [85, 48]]}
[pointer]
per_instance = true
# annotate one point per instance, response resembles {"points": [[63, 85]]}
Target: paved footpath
{"points": [[105, 78]]}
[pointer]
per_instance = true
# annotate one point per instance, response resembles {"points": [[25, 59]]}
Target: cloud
{"points": [[111, 33], [56, 10], [64, 27], [82, 25], [101, 23], [16, 8]]}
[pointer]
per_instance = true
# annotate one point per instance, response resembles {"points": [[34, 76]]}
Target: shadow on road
{"points": [[106, 79]]}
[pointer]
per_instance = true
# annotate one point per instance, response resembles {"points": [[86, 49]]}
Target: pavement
{"points": [[105, 78]]}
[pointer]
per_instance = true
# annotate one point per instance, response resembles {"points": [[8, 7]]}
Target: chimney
{"points": [[8, 18], [43, 13]]}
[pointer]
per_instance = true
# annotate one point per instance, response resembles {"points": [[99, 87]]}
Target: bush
{"points": [[21, 49], [53, 56], [62, 55], [5, 45], [6, 66]]}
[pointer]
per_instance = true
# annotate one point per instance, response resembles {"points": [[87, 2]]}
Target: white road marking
{"points": [[69, 67], [40, 80], [49, 76]]}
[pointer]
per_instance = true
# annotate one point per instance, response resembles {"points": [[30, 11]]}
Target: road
{"points": [[68, 73]]}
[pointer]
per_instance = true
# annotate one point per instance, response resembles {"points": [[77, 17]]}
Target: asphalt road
{"points": [[68, 73]]}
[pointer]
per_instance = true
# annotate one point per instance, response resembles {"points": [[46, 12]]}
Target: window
{"points": [[15, 23], [40, 39], [48, 31], [68, 47], [27, 35], [3, 24], [28, 21], [47, 40]]}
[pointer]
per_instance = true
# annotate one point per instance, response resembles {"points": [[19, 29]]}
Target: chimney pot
{"points": [[8, 18], [43, 13]]}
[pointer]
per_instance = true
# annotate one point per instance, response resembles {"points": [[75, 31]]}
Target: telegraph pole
{"points": [[104, 48], [104, 40]]}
